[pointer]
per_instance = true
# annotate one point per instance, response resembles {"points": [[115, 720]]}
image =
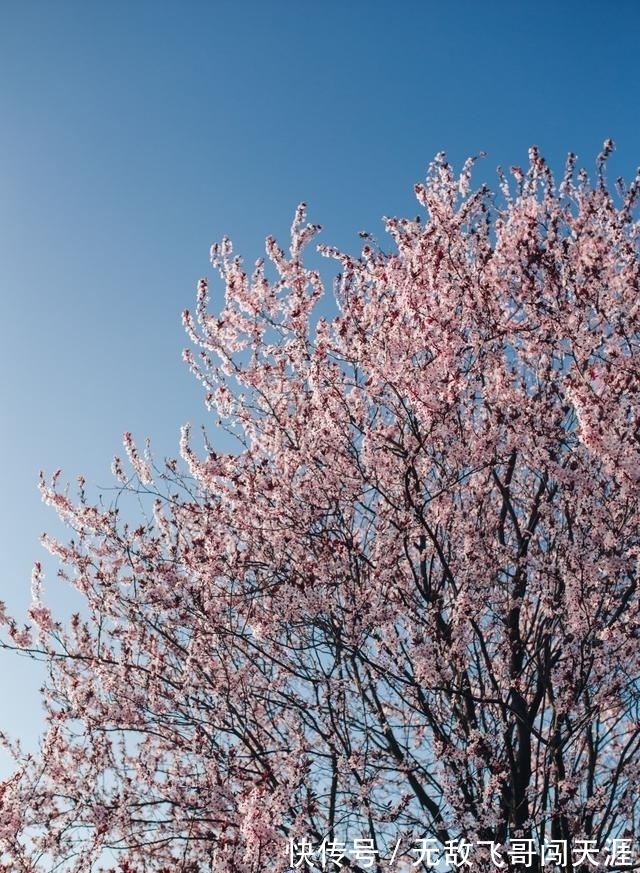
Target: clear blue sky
{"points": [[134, 134]]}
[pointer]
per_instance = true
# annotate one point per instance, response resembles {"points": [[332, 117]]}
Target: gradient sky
{"points": [[134, 134]]}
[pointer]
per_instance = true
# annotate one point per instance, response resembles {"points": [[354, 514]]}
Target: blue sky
{"points": [[135, 134]]}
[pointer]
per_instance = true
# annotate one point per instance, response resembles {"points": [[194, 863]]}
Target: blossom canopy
{"points": [[407, 606]]}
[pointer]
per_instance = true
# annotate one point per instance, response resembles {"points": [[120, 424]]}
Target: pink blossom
{"points": [[407, 602]]}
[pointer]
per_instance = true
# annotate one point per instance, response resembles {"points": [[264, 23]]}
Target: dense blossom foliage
{"points": [[407, 607]]}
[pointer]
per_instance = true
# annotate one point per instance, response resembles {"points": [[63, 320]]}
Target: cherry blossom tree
{"points": [[403, 616]]}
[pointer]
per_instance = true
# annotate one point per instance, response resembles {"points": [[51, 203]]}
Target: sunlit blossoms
{"points": [[404, 610]]}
